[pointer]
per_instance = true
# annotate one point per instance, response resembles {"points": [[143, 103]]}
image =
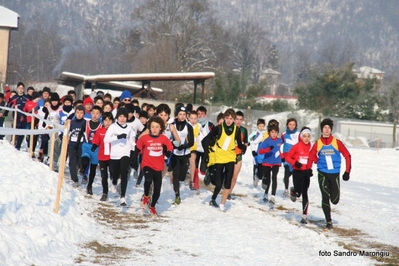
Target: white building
{"points": [[377, 134], [8, 21]]}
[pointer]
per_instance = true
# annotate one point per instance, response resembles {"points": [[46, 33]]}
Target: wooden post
{"points": [[14, 126], [52, 151], [32, 127], [64, 149]]}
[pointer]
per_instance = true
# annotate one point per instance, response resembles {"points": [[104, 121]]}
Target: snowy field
{"points": [[88, 232]]}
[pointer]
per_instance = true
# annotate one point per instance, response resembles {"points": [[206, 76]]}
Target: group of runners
{"points": [[123, 138]]}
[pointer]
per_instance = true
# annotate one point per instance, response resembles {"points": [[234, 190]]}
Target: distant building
{"points": [[273, 79], [366, 72], [291, 100], [377, 134], [8, 21]]}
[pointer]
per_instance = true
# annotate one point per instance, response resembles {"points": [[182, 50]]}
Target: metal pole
{"points": [[195, 91], [203, 92]]}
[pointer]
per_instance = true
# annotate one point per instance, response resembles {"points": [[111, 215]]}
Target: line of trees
{"points": [[186, 35]]}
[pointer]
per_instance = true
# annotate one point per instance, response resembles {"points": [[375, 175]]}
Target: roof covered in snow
{"points": [[366, 72], [8, 18]]}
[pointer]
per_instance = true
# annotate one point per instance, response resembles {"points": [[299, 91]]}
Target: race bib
{"points": [[303, 160], [155, 153], [329, 162], [226, 143]]}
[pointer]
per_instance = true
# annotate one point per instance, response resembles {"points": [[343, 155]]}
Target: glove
{"points": [[282, 160], [298, 165], [309, 172], [345, 176], [122, 136], [271, 147], [244, 150], [181, 147], [175, 144], [93, 147], [254, 153]]}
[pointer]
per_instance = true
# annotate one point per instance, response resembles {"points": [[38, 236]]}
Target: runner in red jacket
{"points": [[29, 106], [103, 151], [298, 157], [154, 147]]}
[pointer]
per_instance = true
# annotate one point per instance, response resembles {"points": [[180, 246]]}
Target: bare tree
{"points": [[251, 50], [36, 50], [182, 27]]}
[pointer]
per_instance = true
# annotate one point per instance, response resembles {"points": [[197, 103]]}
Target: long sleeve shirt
{"points": [[120, 147]]}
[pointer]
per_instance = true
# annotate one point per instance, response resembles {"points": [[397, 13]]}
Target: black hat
{"points": [[180, 109], [136, 109], [68, 98], [143, 114], [130, 108], [326, 122], [46, 89], [1, 95], [122, 111], [30, 88], [55, 97], [189, 107], [35, 95]]}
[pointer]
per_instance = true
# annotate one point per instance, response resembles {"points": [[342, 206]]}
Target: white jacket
{"points": [[120, 147]]}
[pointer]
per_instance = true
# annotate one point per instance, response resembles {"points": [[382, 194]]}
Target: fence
{"points": [[17, 132]]}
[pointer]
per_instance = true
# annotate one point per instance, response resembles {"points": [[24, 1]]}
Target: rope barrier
{"points": [[20, 132]]}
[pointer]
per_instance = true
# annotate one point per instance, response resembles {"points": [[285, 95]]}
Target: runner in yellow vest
{"points": [[225, 138]]}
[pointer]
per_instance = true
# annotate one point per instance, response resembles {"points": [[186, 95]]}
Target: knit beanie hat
{"points": [[35, 95], [68, 98], [180, 109], [122, 111], [136, 109], [126, 94], [326, 122], [189, 107], [55, 97], [88, 100], [143, 114], [130, 108]]}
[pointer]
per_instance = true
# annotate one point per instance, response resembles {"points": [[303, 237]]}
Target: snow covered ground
{"points": [[88, 232]]}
